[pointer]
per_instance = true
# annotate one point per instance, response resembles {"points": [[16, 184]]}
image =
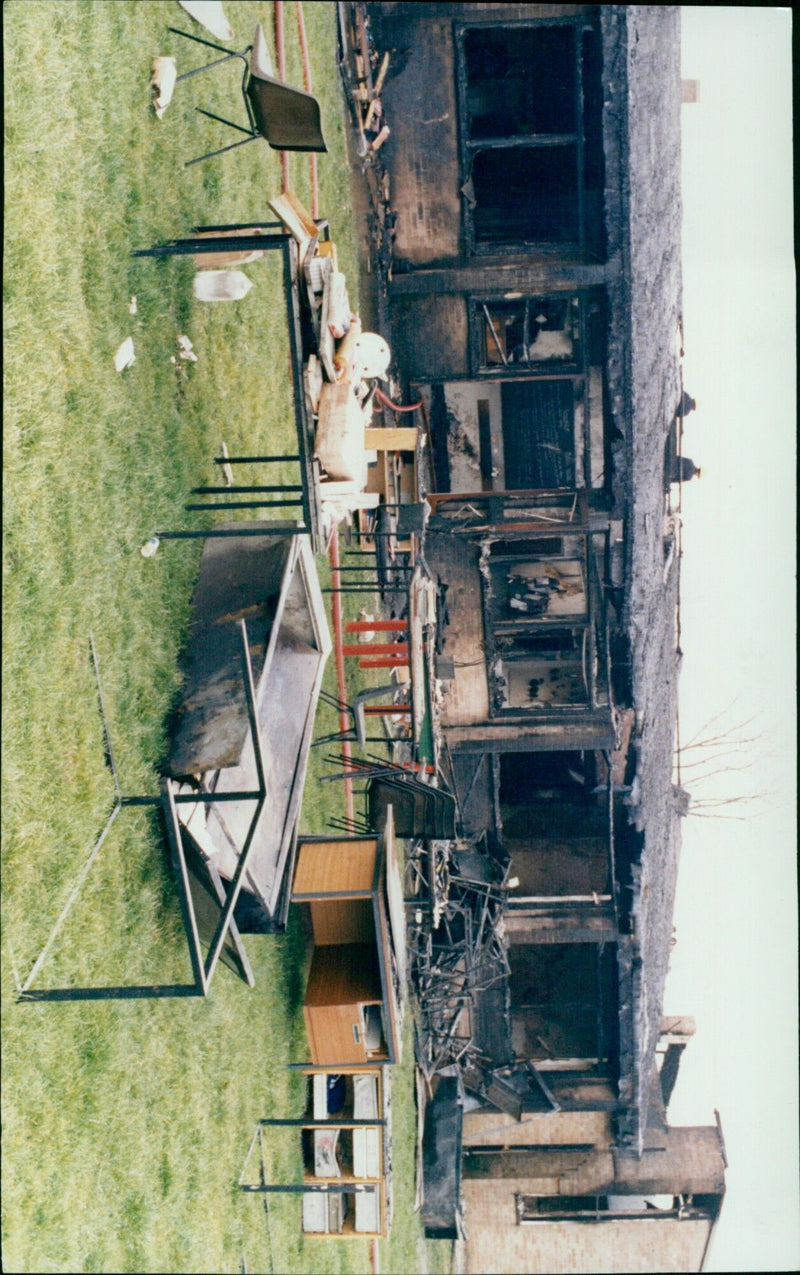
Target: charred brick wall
{"points": [[690, 1163], [430, 336], [421, 105]]}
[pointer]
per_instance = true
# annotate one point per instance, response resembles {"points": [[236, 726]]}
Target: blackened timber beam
{"points": [[510, 276], [576, 732]]}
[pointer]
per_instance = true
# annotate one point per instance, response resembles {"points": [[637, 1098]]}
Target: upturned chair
{"points": [[287, 118]]}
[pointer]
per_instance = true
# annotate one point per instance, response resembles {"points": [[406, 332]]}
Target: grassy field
{"points": [[125, 1124]]}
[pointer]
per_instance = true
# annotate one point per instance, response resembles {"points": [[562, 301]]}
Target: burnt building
{"points": [[533, 300]]}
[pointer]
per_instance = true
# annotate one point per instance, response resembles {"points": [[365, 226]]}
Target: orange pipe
{"points": [[377, 648], [341, 677], [387, 402], [384, 661]]}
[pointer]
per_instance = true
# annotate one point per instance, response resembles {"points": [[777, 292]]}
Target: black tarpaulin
{"points": [[441, 1160]]}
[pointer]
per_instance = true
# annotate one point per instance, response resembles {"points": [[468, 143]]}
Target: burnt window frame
{"points": [[469, 147], [578, 1208], [591, 301], [496, 632], [573, 367]]}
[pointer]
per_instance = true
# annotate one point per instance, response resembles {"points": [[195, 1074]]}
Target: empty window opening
{"points": [[521, 81]]}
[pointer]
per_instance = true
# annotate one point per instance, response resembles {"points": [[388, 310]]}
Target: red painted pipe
{"points": [[386, 710], [384, 661], [281, 76], [376, 626], [377, 648], [341, 676]]}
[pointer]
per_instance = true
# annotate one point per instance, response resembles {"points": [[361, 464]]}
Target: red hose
{"points": [[387, 402], [301, 30], [281, 76]]}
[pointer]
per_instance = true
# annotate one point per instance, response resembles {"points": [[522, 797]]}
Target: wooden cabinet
{"points": [[351, 1005]]}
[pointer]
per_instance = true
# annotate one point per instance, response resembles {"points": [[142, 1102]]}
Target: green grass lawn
{"points": [[125, 1124]]}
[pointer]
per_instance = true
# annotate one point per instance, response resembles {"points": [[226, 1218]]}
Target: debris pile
{"points": [[457, 950], [365, 69]]}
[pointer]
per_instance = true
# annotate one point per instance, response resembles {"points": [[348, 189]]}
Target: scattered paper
{"points": [[338, 311], [211, 15], [132, 308], [124, 355], [221, 285], [185, 349], [163, 81]]}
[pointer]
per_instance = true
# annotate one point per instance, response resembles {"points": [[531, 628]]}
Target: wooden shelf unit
{"points": [[348, 1128]]}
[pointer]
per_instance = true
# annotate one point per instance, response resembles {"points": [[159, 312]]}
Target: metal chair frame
{"points": [[249, 77]]}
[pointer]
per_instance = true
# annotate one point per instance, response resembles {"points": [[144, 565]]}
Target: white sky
{"points": [[734, 965]]}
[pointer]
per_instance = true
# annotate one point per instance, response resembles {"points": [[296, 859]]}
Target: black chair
{"points": [[358, 731], [288, 119], [419, 809]]}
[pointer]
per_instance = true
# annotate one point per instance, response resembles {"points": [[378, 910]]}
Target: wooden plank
{"points": [[333, 867], [297, 221], [399, 438]]}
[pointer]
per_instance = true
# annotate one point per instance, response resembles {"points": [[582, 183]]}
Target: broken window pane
{"points": [[529, 331]]}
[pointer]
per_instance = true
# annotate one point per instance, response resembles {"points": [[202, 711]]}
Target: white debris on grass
{"points": [[162, 80], [124, 355], [185, 349], [150, 547], [211, 15], [133, 308], [221, 285], [366, 618]]}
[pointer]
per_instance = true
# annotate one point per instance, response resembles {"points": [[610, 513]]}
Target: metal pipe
{"points": [[250, 460]]}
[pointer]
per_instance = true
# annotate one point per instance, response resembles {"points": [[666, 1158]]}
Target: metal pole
{"points": [[243, 504], [235, 491], [250, 460], [278, 529]]}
